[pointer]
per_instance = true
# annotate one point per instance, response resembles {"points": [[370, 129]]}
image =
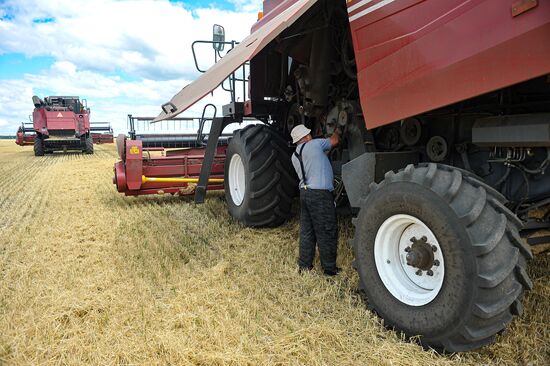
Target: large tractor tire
{"points": [[89, 145], [38, 145], [439, 255], [260, 182]]}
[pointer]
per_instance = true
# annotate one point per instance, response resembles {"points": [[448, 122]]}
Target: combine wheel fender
{"points": [[439, 255], [260, 180]]}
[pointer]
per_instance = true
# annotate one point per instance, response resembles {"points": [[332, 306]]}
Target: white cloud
{"points": [[145, 38], [110, 98], [64, 67], [15, 104], [94, 41]]}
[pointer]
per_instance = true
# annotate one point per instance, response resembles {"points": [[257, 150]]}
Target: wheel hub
{"points": [[420, 254], [237, 180]]}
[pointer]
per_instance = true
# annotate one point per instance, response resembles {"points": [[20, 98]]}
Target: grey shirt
{"points": [[317, 167]]}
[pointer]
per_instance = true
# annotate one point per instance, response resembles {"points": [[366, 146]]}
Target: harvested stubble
{"points": [[91, 277]]}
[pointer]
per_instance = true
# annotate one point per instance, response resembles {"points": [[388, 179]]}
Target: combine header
{"points": [[102, 132], [156, 162], [155, 170], [25, 134]]}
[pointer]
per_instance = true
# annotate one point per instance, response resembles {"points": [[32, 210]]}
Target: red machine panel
{"points": [[61, 120], [417, 55], [134, 164], [102, 138]]}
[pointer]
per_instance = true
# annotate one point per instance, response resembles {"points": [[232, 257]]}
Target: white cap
{"points": [[299, 132]]}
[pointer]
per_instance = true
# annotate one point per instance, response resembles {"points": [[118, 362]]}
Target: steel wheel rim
{"points": [[392, 245], [237, 179]]}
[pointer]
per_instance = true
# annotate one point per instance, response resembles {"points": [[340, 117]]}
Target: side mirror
{"points": [[218, 37]]}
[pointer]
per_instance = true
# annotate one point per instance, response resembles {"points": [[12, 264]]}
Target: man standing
{"points": [[318, 215]]}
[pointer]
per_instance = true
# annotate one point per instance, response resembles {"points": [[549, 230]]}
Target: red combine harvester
{"points": [[444, 112], [61, 124]]}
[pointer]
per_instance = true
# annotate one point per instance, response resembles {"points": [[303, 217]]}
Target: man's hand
{"points": [[335, 138]]}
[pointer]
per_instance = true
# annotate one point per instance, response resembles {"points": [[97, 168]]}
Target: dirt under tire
{"points": [[38, 145], [89, 145], [477, 286], [260, 182]]}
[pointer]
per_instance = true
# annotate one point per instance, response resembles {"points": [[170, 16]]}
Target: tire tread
{"points": [[271, 184], [499, 287]]}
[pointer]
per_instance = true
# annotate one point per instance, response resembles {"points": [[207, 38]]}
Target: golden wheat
{"points": [[88, 276]]}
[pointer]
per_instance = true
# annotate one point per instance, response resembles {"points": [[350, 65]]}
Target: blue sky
{"points": [[123, 56]]}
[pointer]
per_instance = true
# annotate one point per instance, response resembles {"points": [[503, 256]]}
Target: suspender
{"points": [[299, 157]]}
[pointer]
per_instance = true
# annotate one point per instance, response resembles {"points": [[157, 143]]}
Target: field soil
{"points": [[88, 276]]}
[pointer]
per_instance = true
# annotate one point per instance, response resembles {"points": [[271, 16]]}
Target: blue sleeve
{"points": [[324, 144]]}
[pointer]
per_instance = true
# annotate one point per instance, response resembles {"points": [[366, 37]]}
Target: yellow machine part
{"points": [[145, 179]]}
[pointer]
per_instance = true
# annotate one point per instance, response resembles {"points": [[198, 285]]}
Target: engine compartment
{"points": [[308, 75]]}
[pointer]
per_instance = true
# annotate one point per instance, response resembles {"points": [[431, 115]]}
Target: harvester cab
{"points": [[65, 104], [61, 123]]}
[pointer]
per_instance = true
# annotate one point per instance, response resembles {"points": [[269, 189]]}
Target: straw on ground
{"points": [[91, 277]]}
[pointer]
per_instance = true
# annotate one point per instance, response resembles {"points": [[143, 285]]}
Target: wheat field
{"points": [[88, 276]]}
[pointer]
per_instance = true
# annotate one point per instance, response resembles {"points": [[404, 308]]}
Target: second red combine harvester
{"points": [[61, 123]]}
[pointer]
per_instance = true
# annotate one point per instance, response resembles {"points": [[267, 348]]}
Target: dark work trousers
{"points": [[318, 226]]}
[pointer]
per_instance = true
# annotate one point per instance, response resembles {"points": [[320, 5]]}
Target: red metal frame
{"points": [[137, 162], [22, 139], [414, 56], [103, 138], [45, 120]]}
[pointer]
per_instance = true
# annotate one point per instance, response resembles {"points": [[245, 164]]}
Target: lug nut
{"points": [[430, 272], [424, 239], [419, 272], [407, 249], [434, 248], [436, 262], [413, 239]]}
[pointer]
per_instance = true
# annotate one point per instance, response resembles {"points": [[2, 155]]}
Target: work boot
{"points": [[304, 269], [332, 272]]}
